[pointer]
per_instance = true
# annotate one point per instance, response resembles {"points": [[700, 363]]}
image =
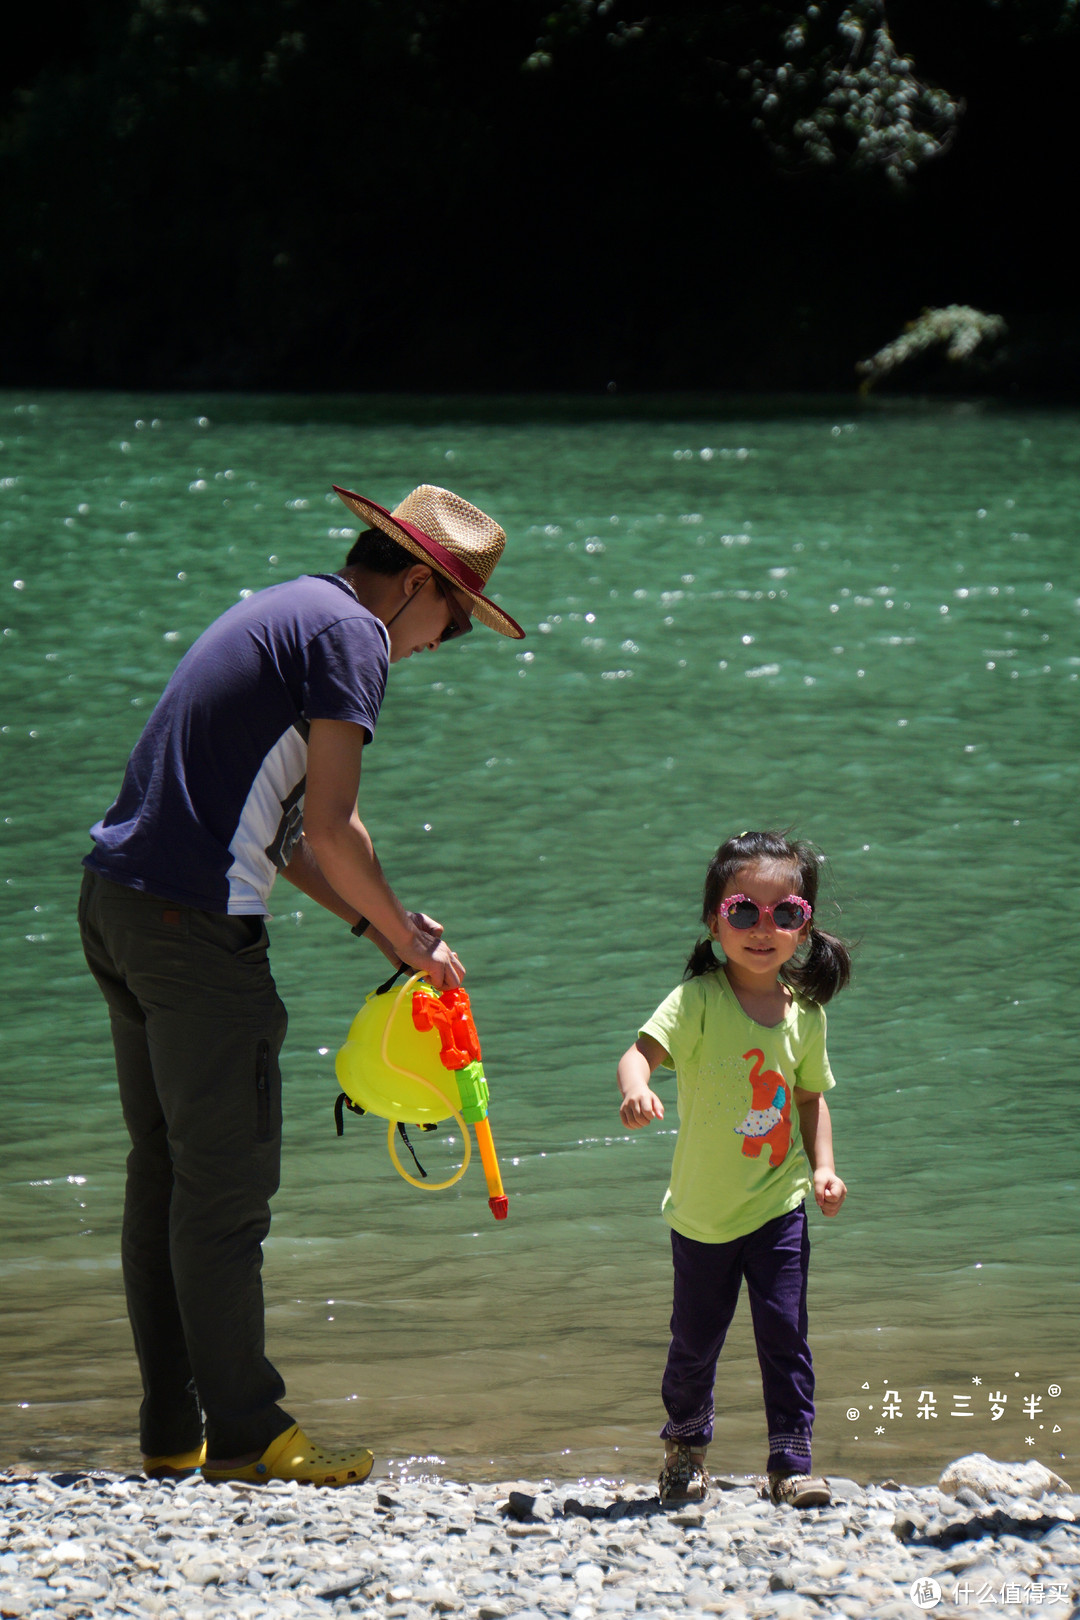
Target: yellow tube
{"points": [[498, 1202], [414, 1181], [430, 1186]]}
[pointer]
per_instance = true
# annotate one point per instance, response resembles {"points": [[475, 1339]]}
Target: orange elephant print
{"points": [[769, 1118]]}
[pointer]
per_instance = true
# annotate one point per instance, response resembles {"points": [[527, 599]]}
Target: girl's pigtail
{"points": [[824, 970], [702, 959]]}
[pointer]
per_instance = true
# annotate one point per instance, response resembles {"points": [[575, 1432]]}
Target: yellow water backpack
{"points": [[413, 1057]]}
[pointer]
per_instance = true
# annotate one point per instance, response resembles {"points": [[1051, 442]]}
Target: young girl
{"points": [[746, 1037]]}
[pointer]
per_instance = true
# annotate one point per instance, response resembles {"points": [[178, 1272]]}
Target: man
{"points": [[250, 766]]}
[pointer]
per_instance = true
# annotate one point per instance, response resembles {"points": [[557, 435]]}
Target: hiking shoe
{"points": [[293, 1457], [684, 1477], [799, 1491]]}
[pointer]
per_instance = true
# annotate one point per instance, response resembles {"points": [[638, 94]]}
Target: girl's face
{"points": [[764, 948]]}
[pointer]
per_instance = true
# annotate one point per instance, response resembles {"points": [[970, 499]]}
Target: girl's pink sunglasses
{"points": [[788, 914]]}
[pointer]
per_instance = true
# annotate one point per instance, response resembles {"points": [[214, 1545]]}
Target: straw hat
{"points": [[455, 539]]}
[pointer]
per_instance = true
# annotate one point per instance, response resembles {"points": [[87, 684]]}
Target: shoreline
{"points": [[91, 1544]]}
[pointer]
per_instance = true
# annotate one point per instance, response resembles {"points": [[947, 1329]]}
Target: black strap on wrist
{"points": [[402, 967], [359, 926]]}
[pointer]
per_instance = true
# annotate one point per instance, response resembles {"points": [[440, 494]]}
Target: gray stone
{"points": [[69, 1552], [906, 1525], [983, 1476], [442, 1598], [589, 1577], [202, 1572], [688, 1518], [734, 1556], [1063, 1542], [828, 1569], [969, 1498]]}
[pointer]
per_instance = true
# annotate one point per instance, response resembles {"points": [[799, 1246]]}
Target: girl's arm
{"points": [[640, 1103], [816, 1127]]}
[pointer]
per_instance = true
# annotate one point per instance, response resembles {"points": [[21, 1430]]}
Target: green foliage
{"points": [[960, 328], [470, 193], [847, 94], [822, 83]]}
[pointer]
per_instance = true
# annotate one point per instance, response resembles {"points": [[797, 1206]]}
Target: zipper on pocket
{"points": [[262, 1092]]}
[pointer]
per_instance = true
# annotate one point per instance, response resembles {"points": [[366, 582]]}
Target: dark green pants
{"points": [[197, 1025]]}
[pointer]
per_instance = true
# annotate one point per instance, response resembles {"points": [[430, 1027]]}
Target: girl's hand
{"points": [[639, 1108], [639, 1103], [829, 1191]]}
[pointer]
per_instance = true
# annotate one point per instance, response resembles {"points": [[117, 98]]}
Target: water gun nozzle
{"points": [[499, 1207]]}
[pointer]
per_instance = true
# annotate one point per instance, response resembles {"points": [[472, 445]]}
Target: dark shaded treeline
{"points": [[348, 194]]}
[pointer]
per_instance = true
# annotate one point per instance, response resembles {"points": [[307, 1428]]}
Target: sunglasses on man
{"points": [[460, 621]]}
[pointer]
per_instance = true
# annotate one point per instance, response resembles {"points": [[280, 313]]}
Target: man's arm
{"points": [[340, 861], [305, 873]]}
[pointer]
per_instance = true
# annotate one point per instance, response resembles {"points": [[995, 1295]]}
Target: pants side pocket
{"points": [[263, 1129]]}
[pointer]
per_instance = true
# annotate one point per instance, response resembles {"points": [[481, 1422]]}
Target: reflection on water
{"points": [[863, 628]]}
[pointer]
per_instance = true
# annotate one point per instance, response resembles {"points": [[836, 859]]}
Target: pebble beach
{"points": [[75, 1545]]}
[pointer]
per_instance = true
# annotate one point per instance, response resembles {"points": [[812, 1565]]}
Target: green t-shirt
{"points": [[739, 1159]]}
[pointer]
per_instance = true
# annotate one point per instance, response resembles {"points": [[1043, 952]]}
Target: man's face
{"points": [[426, 615]]}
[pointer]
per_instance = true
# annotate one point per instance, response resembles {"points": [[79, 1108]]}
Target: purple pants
{"points": [[775, 1261]]}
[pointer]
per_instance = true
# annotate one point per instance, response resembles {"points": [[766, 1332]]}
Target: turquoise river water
{"points": [[859, 622]]}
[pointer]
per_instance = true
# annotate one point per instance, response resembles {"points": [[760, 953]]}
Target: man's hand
{"points": [[639, 1107], [425, 924], [431, 955], [425, 952], [829, 1191]]}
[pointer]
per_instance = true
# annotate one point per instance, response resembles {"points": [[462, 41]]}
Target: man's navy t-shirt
{"points": [[212, 800]]}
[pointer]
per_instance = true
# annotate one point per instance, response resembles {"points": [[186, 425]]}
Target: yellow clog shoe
{"points": [[292, 1456], [181, 1465]]}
